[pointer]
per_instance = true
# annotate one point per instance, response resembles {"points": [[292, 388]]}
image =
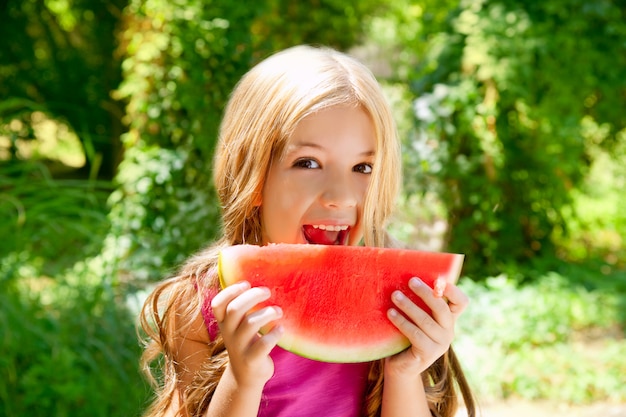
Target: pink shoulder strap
{"points": [[207, 313]]}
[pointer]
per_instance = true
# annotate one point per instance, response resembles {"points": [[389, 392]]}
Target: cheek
{"points": [[281, 210], [357, 234], [286, 199], [292, 192], [363, 185]]}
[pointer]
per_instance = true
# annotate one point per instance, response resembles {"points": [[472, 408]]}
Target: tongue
{"points": [[320, 237]]}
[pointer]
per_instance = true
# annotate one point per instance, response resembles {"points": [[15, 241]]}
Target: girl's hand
{"points": [[239, 323], [430, 337]]}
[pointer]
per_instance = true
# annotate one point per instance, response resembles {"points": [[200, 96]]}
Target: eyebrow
{"points": [[293, 147]]}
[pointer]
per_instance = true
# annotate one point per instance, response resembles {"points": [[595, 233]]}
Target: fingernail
{"points": [[398, 296], [392, 313], [415, 282]]}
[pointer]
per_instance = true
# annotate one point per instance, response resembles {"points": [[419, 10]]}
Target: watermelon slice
{"points": [[335, 298]]}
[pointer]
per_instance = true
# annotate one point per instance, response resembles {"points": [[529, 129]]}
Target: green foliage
{"points": [[596, 222], [156, 222], [334, 23], [550, 339], [570, 373], [181, 61], [58, 57], [66, 349], [48, 219], [543, 313], [500, 116]]}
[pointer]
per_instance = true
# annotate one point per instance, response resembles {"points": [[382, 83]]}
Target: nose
{"points": [[340, 191]]}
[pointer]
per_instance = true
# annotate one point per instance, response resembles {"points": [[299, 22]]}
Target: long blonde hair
{"points": [[263, 111]]}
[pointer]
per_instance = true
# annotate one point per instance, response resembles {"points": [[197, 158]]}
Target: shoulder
{"points": [[188, 310], [193, 315], [188, 338]]}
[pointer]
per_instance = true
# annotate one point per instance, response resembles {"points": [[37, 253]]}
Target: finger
{"points": [[264, 344], [417, 316], [264, 316], [252, 324], [241, 305], [225, 296], [437, 304], [457, 299], [414, 333]]}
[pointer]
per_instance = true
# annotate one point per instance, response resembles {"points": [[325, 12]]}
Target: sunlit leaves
{"points": [[518, 80]]}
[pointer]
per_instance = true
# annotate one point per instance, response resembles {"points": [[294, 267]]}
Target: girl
{"points": [[307, 153]]}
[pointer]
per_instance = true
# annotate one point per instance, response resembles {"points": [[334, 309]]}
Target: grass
{"points": [[67, 350], [54, 223], [68, 345]]}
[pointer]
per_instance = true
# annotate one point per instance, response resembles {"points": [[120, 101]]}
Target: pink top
{"points": [[303, 387]]}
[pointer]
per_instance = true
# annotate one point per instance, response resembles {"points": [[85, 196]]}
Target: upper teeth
{"points": [[330, 227]]}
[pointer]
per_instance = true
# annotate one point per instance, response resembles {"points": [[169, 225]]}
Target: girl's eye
{"points": [[363, 168], [306, 163]]}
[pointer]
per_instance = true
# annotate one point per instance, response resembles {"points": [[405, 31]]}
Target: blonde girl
{"points": [[307, 153]]}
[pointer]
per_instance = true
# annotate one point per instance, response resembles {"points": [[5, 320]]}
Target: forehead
{"points": [[334, 127]]}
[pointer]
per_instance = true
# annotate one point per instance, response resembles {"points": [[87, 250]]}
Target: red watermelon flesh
{"points": [[335, 298]]}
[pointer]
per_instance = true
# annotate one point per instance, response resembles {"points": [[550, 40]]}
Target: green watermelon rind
{"points": [[311, 349]]}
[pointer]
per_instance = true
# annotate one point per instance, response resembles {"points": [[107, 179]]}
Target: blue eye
{"points": [[306, 163], [363, 168]]}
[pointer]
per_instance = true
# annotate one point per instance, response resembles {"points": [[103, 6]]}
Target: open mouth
{"points": [[326, 234]]}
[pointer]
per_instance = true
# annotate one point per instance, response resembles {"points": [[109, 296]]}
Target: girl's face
{"points": [[314, 192]]}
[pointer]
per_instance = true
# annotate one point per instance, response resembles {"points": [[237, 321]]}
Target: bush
{"points": [[547, 339]]}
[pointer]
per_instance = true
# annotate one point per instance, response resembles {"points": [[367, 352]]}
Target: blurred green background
{"points": [[514, 133]]}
